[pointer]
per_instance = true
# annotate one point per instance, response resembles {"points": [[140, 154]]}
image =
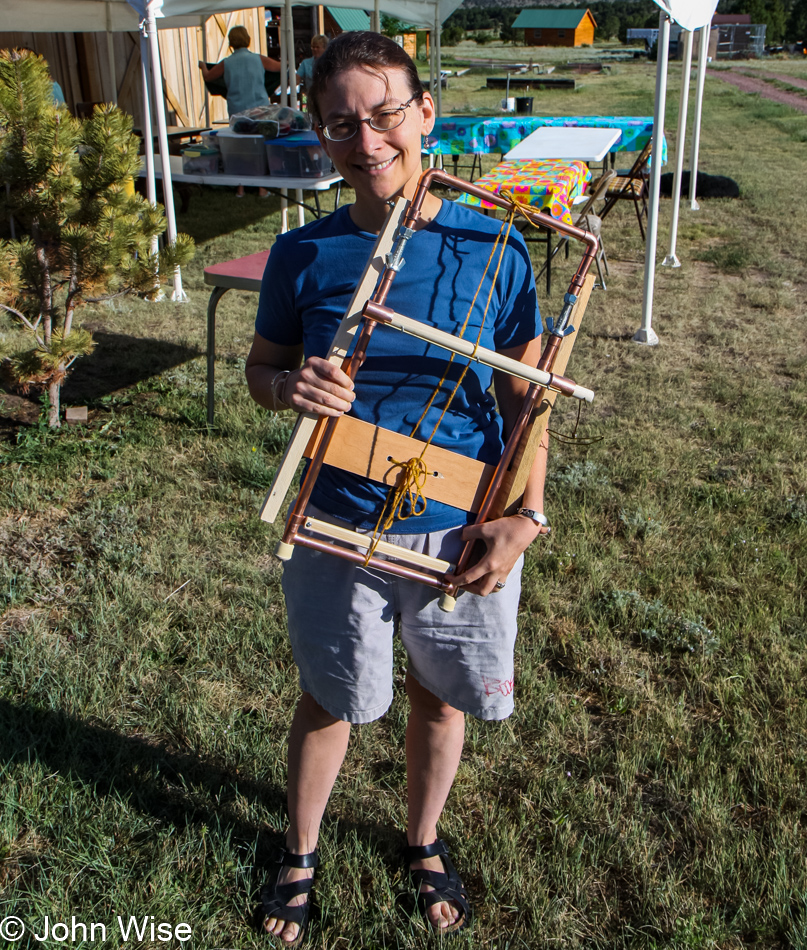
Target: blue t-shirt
{"points": [[243, 76], [309, 280], [306, 71]]}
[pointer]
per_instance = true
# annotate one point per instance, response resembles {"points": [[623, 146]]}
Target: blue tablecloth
{"points": [[480, 135]]}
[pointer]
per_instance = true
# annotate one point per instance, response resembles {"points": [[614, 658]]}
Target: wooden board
{"points": [[540, 419], [364, 449]]}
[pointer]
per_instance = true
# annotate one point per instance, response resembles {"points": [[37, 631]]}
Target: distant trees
{"points": [[785, 19], [391, 26], [773, 13], [508, 35], [613, 18], [797, 22], [451, 35]]}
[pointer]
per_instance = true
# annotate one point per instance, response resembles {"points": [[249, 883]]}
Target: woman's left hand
{"points": [[505, 540]]}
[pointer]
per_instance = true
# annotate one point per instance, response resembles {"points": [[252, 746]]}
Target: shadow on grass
{"points": [[172, 785], [214, 211], [119, 361]]}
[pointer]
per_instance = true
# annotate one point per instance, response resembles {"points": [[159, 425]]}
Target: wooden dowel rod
{"points": [[384, 547], [467, 348]]}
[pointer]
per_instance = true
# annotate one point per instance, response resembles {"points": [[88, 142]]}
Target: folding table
{"points": [[242, 273], [550, 186], [553, 142], [272, 182]]}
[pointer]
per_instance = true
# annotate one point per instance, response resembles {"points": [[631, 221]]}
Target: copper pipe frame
{"points": [[351, 365]]}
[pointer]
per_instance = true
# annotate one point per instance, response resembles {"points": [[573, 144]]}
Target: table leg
{"points": [[215, 296]]}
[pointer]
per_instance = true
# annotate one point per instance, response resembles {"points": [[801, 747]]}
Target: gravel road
{"points": [[766, 90]]}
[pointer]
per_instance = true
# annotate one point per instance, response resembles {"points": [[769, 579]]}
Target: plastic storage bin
{"points": [[297, 156], [242, 154], [200, 161], [210, 139]]}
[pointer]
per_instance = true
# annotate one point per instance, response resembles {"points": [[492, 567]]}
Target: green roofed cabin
{"points": [[544, 27]]}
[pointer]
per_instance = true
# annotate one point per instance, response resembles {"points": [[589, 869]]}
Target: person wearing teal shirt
{"points": [[305, 71], [243, 73]]}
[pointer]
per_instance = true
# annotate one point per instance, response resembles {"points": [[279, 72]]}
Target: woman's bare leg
{"points": [[434, 737], [317, 746]]}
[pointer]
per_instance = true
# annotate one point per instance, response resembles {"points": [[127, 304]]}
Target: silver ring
{"points": [[500, 585]]}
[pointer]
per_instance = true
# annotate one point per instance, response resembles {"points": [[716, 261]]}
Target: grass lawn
{"points": [[649, 789]]}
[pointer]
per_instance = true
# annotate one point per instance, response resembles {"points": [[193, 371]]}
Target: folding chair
{"points": [[586, 220], [630, 187]]}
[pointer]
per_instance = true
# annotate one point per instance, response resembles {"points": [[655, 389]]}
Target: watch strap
{"points": [[536, 516]]}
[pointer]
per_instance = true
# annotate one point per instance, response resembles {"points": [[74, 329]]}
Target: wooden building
{"points": [[543, 27]]}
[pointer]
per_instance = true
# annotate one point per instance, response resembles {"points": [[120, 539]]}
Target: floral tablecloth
{"points": [[549, 186], [475, 135]]}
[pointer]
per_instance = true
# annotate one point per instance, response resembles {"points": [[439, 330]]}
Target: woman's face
{"points": [[378, 165], [317, 49]]}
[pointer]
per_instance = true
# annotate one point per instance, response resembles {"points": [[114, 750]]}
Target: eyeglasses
{"points": [[385, 120]]}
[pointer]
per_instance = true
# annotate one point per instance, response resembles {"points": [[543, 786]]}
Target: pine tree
{"points": [[87, 237]]}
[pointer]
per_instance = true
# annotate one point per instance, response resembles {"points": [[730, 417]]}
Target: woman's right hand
{"points": [[319, 386]]}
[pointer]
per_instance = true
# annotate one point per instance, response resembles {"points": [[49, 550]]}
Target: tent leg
{"points": [[703, 52], [671, 260], [645, 334], [178, 294], [437, 60], [148, 144]]}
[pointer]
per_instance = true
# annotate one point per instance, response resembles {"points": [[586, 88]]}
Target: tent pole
{"points": [[431, 64], [110, 52], [437, 58], [284, 101], [703, 54], [148, 139], [671, 260], [204, 86], [645, 334], [178, 294], [375, 26], [293, 101]]}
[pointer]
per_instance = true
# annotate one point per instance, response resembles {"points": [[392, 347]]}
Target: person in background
{"points": [[305, 71], [58, 95], [243, 73]]}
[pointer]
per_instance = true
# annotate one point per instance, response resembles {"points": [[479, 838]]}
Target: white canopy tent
{"points": [[147, 16], [691, 15]]}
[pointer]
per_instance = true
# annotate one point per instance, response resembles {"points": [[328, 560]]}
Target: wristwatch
{"points": [[536, 517]]}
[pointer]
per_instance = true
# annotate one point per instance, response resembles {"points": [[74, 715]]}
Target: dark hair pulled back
{"points": [[364, 50]]}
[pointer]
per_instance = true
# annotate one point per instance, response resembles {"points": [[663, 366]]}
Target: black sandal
{"points": [[447, 886], [275, 897]]}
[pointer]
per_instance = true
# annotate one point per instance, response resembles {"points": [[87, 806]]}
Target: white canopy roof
{"points": [[99, 16], [690, 14], [85, 16]]}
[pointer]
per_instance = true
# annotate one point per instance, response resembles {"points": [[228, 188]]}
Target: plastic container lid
{"points": [[198, 150], [229, 134], [297, 140]]}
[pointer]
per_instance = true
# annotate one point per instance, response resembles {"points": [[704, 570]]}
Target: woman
{"points": [[305, 71], [243, 73], [370, 111]]}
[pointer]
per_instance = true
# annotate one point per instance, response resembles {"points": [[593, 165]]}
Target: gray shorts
{"points": [[342, 618]]}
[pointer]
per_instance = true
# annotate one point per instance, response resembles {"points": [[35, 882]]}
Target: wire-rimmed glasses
{"points": [[385, 120]]}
